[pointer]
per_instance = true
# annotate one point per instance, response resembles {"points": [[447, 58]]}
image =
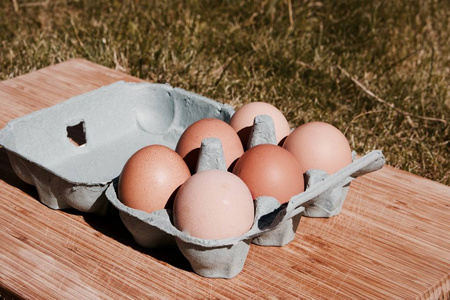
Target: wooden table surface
{"points": [[390, 241]]}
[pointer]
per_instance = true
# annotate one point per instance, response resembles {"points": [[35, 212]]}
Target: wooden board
{"points": [[390, 241]]}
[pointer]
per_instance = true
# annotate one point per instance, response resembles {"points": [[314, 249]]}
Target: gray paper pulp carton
{"points": [[74, 152], [274, 224]]}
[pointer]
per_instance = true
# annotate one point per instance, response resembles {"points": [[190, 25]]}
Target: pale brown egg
{"points": [[269, 170], [213, 204], [318, 145], [242, 120], [151, 177], [190, 141]]}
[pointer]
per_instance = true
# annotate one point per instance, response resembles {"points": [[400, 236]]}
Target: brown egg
{"points": [[318, 145], [242, 120], [213, 204], [269, 170], [190, 141], [150, 178]]}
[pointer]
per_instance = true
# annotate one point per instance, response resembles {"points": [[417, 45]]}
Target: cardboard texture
{"points": [[274, 224], [73, 169], [74, 152]]}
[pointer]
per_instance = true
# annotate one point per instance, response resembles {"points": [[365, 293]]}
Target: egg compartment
{"points": [[209, 258], [73, 150], [326, 204], [274, 224], [225, 258]]}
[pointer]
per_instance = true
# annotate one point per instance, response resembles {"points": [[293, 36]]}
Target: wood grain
{"points": [[390, 241]]}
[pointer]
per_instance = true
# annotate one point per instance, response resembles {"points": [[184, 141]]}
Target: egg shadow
{"points": [[281, 143], [244, 135], [231, 167], [112, 226], [191, 159], [169, 204]]}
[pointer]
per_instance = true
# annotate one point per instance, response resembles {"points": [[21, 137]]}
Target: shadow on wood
{"points": [[112, 226], [7, 175]]}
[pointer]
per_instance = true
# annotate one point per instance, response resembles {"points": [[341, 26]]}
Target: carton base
{"points": [[146, 235], [282, 235], [216, 262]]}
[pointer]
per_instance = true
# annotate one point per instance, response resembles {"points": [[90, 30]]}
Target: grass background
{"points": [[378, 70]]}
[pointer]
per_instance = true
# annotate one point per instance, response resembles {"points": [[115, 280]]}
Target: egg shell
{"points": [[150, 178], [270, 170], [213, 204], [115, 121], [109, 120], [273, 225], [318, 145], [242, 120], [189, 143]]}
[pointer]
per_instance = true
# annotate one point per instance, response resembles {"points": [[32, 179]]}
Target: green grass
{"points": [[378, 70]]}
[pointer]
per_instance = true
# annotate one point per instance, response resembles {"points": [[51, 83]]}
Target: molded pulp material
{"points": [[73, 150], [221, 261], [274, 224]]}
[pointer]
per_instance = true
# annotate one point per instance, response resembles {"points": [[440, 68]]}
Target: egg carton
{"points": [[73, 150], [273, 225], [73, 153]]}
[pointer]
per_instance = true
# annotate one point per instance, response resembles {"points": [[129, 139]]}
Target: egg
{"points": [[188, 146], [318, 145], [150, 178], [213, 204], [242, 120], [270, 170]]}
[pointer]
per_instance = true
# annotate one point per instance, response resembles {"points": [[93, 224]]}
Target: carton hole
{"points": [[77, 134]]}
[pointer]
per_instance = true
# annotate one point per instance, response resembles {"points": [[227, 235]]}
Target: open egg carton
{"points": [[74, 152]]}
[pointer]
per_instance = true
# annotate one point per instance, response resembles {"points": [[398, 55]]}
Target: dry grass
{"points": [[315, 60]]}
